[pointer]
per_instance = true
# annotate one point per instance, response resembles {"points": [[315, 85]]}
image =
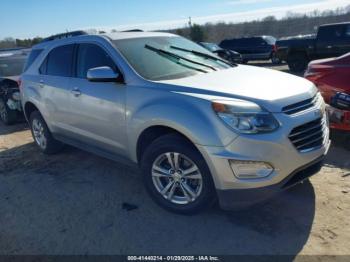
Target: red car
{"points": [[332, 77]]}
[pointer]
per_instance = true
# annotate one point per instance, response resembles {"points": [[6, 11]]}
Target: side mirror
{"points": [[102, 74]]}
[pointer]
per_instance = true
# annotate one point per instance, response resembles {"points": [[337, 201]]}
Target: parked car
{"points": [[229, 55], [332, 40], [331, 76], [253, 48], [11, 66], [200, 128]]}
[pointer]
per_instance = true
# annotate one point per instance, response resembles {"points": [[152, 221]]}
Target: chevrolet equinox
{"points": [[200, 128]]}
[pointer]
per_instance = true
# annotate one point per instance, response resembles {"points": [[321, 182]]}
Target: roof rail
{"points": [[133, 30], [64, 35]]}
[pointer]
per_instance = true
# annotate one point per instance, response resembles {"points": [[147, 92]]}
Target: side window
{"points": [[91, 56], [331, 33], [248, 42], [347, 31], [31, 58], [59, 61]]}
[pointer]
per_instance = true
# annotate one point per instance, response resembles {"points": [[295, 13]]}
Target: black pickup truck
{"points": [[331, 40]]}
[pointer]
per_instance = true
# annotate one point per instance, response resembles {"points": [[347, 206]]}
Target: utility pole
{"points": [[189, 22]]}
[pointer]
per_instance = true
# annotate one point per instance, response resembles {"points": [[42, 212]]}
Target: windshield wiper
{"points": [[203, 55], [162, 51]]}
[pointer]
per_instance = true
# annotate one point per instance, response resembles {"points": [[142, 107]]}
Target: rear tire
{"points": [[188, 187], [274, 59], [297, 63], [7, 115], [42, 135]]}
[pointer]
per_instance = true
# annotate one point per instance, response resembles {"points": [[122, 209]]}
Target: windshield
{"points": [[270, 40], [157, 58], [11, 65], [211, 47]]}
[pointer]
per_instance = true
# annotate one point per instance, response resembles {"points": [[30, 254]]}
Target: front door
{"points": [[97, 108]]}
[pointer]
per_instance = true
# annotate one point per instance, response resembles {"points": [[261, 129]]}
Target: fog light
{"points": [[250, 169]]}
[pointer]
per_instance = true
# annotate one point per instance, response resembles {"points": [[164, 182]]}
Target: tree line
{"points": [[10, 42], [291, 25]]}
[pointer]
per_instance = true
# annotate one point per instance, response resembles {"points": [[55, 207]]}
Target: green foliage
{"points": [[28, 42], [197, 33], [8, 43], [12, 43], [291, 25]]}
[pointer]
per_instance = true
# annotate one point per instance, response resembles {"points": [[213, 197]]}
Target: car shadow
{"points": [[285, 220], [266, 64], [19, 126], [339, 153], [74, 203]]}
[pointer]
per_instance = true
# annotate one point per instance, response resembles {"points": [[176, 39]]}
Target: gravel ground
{"points": [[72, 203]]}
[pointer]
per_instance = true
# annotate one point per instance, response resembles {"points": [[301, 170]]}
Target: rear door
{"points": [[97, 108], [54, 87]]}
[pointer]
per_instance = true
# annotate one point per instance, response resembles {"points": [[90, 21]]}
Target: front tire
{"points": [[297, 63], [42, 135], [177, 176], [7, 115]]}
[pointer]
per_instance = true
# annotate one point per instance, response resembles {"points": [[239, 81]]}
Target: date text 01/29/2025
{"points": [[173, 258]]}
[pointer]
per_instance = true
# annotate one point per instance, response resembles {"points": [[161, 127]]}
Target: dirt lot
{"points": [[72, 203]]}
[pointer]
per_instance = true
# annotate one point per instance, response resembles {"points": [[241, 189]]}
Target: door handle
{"points": [[41, 83], [76, 92]]}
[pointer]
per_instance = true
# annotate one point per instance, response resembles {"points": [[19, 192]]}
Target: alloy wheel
{"points": [[177, 178], [39, 134]]}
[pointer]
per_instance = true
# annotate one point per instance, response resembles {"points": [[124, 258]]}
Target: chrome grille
{"points": [[300, 106], [310, 136]]}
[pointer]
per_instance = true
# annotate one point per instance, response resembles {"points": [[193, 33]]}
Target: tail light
{"points": [[314, 73], [19, 83], [274, 48]]}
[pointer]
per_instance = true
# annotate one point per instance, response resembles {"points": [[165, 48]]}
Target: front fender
{"points": [[191, 117]]}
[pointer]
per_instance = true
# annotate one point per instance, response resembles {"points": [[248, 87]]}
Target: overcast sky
{"points": [[29, 18]]}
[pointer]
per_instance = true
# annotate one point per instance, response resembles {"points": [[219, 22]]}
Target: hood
{"points": [[14, 78], [322, 61], [269, 88]]}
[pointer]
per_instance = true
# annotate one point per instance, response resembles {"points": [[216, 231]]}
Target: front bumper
{"points": [[239, 198], [290, 165]]}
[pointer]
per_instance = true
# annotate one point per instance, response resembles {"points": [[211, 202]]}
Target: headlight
{"points": [[245, 117], [16, 96]]}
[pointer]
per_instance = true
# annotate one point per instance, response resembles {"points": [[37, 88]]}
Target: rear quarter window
{"points": [[270, 40], [31, 58], [331, 33]]}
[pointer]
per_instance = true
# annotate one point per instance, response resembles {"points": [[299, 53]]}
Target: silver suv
{"points": [[199, 127]]}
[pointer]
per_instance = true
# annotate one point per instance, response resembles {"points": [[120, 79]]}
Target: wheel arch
{"points": [[29, 108], [149, 134]]}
